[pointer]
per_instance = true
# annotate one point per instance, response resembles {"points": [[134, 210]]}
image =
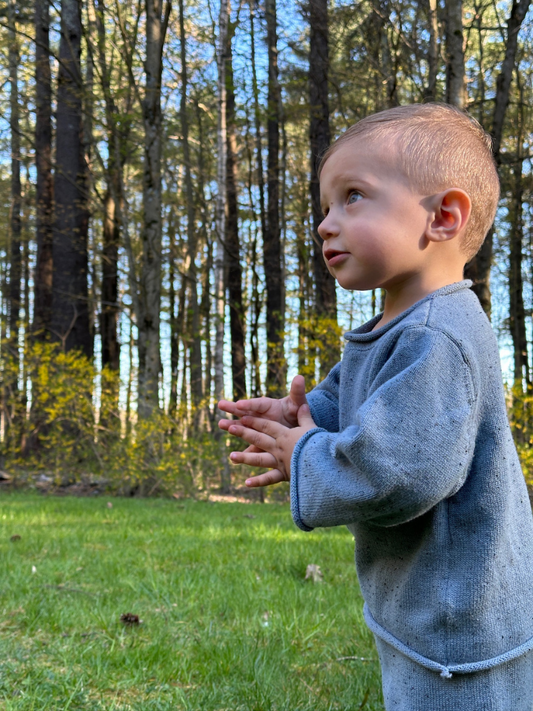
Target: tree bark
{"points": [[221, 200], [16, 190], [43, 158], [455, 60], [478, 269], [150, 281], [174, 333], [70, 313], [256, 300], [205, 306], [232, 252], [433, 51], [192, 241], [109, 308], [517, 316], [319, 135], [276, 364], [113, 217], [225, 480]]}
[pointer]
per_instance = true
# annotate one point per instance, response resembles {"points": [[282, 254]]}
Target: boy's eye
{"points": [[354, 196]]}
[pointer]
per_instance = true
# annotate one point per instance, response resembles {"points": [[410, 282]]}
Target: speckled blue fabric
{"points": [[413, 451], [409, 687]]}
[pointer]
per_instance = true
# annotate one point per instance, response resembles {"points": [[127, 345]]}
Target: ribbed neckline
{"points": [[364, 333]]}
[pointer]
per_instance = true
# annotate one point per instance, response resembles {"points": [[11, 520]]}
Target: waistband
{"points": [[446, 671]]}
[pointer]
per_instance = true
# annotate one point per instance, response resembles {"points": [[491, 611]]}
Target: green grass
{"points": [[228, 622]]}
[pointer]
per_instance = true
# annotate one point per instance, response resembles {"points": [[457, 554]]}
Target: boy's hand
{"points": [[272, 445], [283, 411]]}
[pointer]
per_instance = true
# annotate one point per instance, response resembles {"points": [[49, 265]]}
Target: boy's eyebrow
{"points": [[351, 178]]}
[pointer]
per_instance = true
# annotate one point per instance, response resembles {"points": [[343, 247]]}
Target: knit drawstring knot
{"points": [[446, 673]]}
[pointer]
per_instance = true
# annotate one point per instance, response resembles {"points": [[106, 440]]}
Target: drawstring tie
{"points": [[446, 672]]}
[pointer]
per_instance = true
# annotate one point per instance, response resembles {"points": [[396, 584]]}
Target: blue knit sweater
{"points": [[413, 451]]}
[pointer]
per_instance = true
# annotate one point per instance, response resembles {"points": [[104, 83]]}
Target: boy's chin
{"points": [[358, 284]]}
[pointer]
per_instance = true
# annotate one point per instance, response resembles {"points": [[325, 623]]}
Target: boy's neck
{"points": [[402, 296]]}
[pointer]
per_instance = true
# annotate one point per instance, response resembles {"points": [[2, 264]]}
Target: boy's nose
{"points": [[328, 227]]}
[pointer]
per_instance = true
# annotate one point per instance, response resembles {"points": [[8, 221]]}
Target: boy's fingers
{"points": [[252, 436], [227, 406], [297, 391], [255, 406], [252, 448], [254, 459], [274, 476], [225, 424], [304, 417], [273, 429]]}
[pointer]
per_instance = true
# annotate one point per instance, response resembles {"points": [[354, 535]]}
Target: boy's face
{"points": [[374, 223]]}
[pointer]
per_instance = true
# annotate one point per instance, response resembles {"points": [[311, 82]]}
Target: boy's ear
{"points": [[450, 212]]}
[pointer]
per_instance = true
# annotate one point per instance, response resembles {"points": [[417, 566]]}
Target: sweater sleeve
{"points": [[406, 448], [324, 401]]}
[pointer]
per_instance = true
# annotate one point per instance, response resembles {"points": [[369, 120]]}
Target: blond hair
{"points": [[437, 146]]}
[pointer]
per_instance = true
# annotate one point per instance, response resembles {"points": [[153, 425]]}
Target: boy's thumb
{"points": [[304, 416]]}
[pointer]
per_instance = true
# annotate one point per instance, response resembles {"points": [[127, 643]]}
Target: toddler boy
{"points": [[407, 440]]}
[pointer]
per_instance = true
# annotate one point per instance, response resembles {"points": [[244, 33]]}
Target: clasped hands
{"points": [[271, 428]]}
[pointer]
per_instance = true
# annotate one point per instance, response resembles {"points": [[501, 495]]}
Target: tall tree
{"points": [[478, 269], [16, 188], [222, 47], [430, 91], [192, 241], [220, 209], [43, 158], [232, 251], [455, 55], [118, 127], [70, 312], [150, 282], [319, 135], [517, 313], [276, 364], [256, 300]]}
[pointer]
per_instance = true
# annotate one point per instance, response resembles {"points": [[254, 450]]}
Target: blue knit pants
{"points": [[408, 686]]}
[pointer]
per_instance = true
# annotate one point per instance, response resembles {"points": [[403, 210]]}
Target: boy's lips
{"points": [[334, 256]]}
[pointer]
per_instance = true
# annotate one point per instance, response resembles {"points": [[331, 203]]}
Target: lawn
{"points": [[228, 622]]}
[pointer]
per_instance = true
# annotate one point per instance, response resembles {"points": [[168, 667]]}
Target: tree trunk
{"points": [[256, 300], [11, 381], [88, 140], [276, 364], [221, 199], [150, 282], [433, 51], [319, 135], [478, 269], [517, 317], [205, 306], [225, 482], [232, 251], [455, 60], [43, 158], [192, 241], [174, 333], [109, 307], [113, 217], [70, 313], [16, 191]]}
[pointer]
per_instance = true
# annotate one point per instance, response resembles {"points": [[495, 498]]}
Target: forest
{"points": [[159, 201]]}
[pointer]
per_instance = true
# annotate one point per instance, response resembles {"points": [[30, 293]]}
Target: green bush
{"points": [[71, 434]]}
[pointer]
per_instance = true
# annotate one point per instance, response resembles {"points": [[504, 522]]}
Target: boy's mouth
{"points": [[334, 256]]}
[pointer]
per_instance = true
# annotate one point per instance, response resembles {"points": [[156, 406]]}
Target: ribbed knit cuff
{"points": [[295, 473]]}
